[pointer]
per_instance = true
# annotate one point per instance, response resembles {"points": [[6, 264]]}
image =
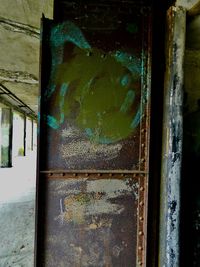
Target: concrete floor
{"points": [[17, 213]]}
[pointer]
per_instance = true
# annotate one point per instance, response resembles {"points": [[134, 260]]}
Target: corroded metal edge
{"points": [[146, 87], [142, 221], [144, 146], [142, 201], [66, 173]]}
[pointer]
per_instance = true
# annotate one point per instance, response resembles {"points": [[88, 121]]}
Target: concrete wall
{"points": [[19, 43]]}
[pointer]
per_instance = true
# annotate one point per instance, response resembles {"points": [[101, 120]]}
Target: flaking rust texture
{"points": [[92, 222]]}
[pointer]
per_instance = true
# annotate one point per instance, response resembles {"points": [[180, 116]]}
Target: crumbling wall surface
{"points": [[19, 53]]}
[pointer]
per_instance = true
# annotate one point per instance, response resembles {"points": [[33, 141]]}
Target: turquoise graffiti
{"points": [[101, 92]]}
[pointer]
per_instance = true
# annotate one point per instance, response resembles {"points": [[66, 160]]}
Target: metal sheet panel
{"points": [[103, 212], [95, 100], [94, 135], [93, 220]]}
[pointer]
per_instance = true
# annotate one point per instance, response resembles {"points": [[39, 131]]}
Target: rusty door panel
{"points": [[96, 100], [93, 220], [94, 137]]}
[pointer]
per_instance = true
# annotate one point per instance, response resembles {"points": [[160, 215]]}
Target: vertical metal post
{"points": [[10, 139], [172, 139], [32, 134], [24, 135]]}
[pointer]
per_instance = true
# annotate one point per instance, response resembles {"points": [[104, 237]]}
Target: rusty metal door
{"points": [[94, 138]]}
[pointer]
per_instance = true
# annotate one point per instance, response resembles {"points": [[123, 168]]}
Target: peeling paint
{"points": [[88, 150], [102, 211], [97, 200]]}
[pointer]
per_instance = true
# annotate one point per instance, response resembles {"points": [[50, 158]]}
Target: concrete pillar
{"points": [[28, 135], [6, 137], [169, 247]]}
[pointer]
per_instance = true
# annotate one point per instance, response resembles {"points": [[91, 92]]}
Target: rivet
{"points": [[142, 144], [141, 188], [74, 174], [103, 55], [141, 218], [140, 233], [142, 160], [99, 174], [86, 174], [110, 174], [141, 203], [140, 248], [140, 263], [89, 53], [143, 130]]}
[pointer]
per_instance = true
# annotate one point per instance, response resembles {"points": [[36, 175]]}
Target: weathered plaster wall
{"points": [[19, 42]]}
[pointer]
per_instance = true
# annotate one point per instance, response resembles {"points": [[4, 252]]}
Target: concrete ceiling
{"points": [[20, 42]]}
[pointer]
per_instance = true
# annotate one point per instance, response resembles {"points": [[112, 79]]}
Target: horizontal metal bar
{"points": [[101, 3], [19, 102], [3, 93], [94, 171], [95, 176], [20, 27]]}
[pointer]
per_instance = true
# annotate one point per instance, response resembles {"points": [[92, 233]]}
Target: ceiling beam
{"points": [[17, 77]]}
